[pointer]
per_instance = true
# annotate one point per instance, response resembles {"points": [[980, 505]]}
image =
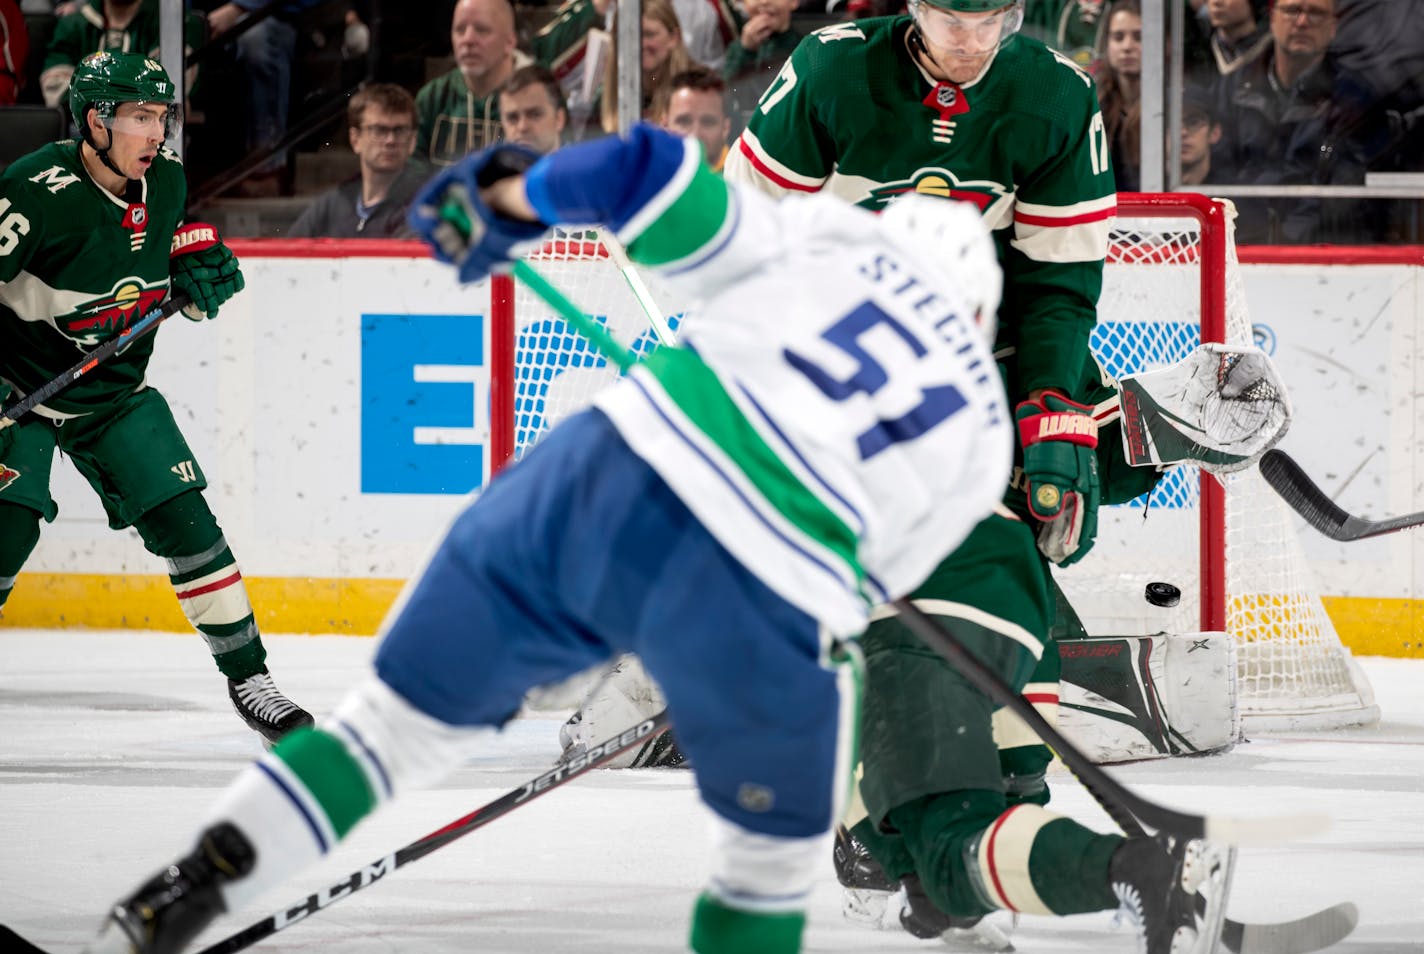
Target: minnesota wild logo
{"points": [[940, 182], [99, 319]]}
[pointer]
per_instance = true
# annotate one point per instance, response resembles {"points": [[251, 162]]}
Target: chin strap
{"points": [[103, 153]]}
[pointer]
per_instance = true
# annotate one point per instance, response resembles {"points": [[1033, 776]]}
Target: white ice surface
{"points": [[112, 744]]}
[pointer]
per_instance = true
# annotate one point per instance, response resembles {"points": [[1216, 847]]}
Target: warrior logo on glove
{"points": [[201, 265]]}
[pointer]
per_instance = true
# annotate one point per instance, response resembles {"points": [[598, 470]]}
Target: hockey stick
{"points": [[1128, 809], [651, 311], [368, 875], [1307, 499], [91, 360]]}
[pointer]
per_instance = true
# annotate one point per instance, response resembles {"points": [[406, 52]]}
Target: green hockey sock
{"points": [[719, 929], [1069, 867]]}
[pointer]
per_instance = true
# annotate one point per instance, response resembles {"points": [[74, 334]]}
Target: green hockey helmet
{"points": [[103, 80], [1009, 24]]}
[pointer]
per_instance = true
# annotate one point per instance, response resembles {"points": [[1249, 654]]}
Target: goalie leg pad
{"points": [[1145, 697]]}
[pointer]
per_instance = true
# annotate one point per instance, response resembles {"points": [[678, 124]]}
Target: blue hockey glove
{"points": [[1060, 463], [461, 229], [201, 265]]}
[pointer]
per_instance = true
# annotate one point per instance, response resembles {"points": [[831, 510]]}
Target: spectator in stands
{"points": [[459, 111], [1292, 117], [663, 56], [532, 109], [1120, 90], [1239, 33], [755, 57], [122, 26], [1200, 133], [697, 107], [381, 121], [708, 28], [14, 50]]}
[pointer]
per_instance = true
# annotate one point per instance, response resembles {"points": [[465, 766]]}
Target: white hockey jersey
{"points": [[833, 415]]}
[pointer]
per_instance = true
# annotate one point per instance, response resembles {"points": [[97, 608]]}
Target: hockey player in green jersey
{"points": [[951, 101], [91, 238]]}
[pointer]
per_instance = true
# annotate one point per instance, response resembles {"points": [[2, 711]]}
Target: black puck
{"points": [[1162, 594]]}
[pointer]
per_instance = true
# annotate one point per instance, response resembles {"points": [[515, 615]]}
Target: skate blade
{"points": [[984, 936], [1215, 868], [878, 910]]}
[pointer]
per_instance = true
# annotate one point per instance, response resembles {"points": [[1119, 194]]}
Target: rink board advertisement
{"points": [[340, 408]]}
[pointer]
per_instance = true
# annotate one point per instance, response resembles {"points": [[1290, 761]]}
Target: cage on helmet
{"points": [[103, 80], [1009, 25], [953, 236]]}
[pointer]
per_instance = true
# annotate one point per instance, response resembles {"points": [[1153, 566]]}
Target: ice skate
{"points": [[920, 917], [866, 889], [1173, 892], [175, 905], [263, 707]]}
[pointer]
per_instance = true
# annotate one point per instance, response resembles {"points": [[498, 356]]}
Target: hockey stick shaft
{"points": [[1128, 809], [1305, 497], [367, 875], [93, 359], [586, 326]]}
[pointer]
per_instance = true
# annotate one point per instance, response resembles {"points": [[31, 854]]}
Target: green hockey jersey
{"points": [[853, 113], [78, 265]]}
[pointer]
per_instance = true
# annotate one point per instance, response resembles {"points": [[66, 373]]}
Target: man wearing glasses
{"points": [[1293, 117], [382, 129]]}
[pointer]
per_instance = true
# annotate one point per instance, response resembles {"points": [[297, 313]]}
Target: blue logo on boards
{"points": [[424, 404]]}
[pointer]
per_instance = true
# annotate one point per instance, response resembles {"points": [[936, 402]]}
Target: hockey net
{"points": [[1172, 281]]}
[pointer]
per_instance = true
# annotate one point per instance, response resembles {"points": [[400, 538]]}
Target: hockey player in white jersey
{"points": [[831, 427]]}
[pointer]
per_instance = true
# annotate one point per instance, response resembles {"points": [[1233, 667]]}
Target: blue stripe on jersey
{"points": [[732, 485], [883, 593]]}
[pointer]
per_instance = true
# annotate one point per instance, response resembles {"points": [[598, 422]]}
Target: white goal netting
{"points": [[1162, 278]]}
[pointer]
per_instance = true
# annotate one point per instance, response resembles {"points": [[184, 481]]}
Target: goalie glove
{"points": [[1060, 466], [461, 229], [1219, 407], [201, 265]]}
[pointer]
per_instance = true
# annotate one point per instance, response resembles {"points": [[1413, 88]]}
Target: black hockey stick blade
{"points": [[1129, 810], [1307, 499], [1314, 932], [562, 773], [12, 942], [93, 359]]}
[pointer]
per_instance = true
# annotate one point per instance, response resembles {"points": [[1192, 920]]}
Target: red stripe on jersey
{"points": [[1042, 697], [771, 174], [234, 577], [993, 867], [1054, 221]]}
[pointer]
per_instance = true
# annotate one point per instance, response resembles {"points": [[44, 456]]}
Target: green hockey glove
{"points": [[201, 265], [1060, 440]]}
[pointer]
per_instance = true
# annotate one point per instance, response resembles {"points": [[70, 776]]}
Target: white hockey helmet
{"points": [[952, 235]]}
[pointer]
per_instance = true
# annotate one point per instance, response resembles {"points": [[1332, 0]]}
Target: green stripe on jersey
{"points": [[697, 391], [694, 219], [332, 776]]}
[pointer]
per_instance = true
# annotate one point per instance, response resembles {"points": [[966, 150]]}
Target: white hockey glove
{"points": [[1220, 408]]}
